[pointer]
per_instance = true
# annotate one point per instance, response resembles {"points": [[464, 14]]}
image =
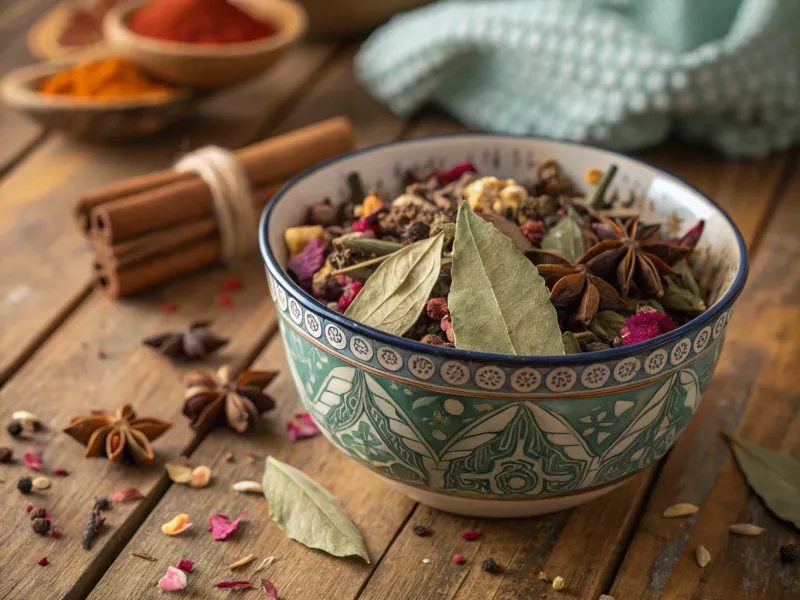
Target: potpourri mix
{"points": [[495, 265]]}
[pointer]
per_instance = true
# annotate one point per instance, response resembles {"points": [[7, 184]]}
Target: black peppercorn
{"points": [[6, 455], [416, 232], [41, 526], [789, 553], [25, 485], [490, 566], [421, 530], [102, 504], [39, 513], [14, 428]]}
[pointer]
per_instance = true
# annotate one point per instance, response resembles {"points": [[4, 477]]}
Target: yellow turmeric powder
{"points": [[107, 79]]}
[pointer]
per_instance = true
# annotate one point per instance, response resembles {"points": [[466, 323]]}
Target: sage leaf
{"points": [[498, 301], [565, 238], [423, 401], [571, 344], [510, 229], [308, 513], [394, 297], [678, 297], [774, 476]]}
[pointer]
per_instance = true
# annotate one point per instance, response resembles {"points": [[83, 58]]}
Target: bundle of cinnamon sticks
{"points": [[153, 228]]}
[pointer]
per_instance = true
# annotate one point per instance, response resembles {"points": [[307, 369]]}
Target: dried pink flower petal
{"points": [[458, 559], [174, 580], [126, 494], [469, 535], [322, 213], [33, 460], [436, 308], [305, 418], [61, 472], [43, 562], [236, 585], [55, 532], [366, 224], [308, 261], [645, 325], [185, 565], [269, 588], [29, 508], [296, 432], [691, 237], [221, 527], [455, 172], [349, 293]]}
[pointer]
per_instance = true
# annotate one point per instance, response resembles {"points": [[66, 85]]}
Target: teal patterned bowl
{"points": [[494, 435]]}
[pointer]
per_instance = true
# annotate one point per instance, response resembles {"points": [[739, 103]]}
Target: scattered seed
{"points": [[559, 583], [144, 555], [179, 473], [41, 526], [426, 561], [228, 457], [543, 576], [201, 477], [40, 483], [421, 530], [702, 555], [247, 486], [25, 485], [490, 566], [264, 564], [14, 429], [746, 529], [28, 420], [682, 509], [242, 562]]}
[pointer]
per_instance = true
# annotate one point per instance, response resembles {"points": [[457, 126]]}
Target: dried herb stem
{"points": [[597, 198]]}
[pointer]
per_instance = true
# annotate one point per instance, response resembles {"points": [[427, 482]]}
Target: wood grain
{"points": [[755, 391], [298, 572], [50, 272]]}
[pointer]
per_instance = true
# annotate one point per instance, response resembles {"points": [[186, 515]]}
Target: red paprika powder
{"points": [[197, 22]]}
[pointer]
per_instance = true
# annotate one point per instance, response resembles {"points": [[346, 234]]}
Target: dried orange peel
{"points": [[177, 525]]}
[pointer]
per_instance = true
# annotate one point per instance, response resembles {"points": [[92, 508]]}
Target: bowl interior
{"points": [[660, 197]]}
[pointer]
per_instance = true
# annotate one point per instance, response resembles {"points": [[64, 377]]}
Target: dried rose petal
{"points": [[349, 294], [185, 565], [174, 580], [55, 532], [225, 300], [232, 285], [236, 585], [645, 325], [458, 559], [690, 239], [62, 472], [451, 175], [301, 433], [168, 307], [469, 535], [177, 525], [366, 224], [34, 461], [308, 261], [269, 588], [221, 527], [43, 561], [126, 494], [29, 508]]}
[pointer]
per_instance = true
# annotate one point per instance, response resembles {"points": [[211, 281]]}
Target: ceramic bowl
{"points": [[494, 435], [207, 65], [101, 120]]}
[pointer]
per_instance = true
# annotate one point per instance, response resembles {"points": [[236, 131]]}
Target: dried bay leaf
{"points": [[571, 344], [565, 238], [308, 513], [774, 476], [498, 301], [607, 324], [394, 297], [510, 229], [684, 271]]}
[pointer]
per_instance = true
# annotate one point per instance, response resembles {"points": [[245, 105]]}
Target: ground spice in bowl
{"points": [[197, 22], [106, 79]]}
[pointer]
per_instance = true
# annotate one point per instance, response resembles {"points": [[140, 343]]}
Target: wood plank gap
{"points": [[24, 152], [789, 171]]}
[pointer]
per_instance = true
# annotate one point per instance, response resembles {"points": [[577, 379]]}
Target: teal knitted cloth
{"points": [[618, 73]]}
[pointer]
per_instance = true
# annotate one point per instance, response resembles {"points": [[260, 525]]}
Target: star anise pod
{"points": [[635, 252], [572, 285], [120, 438], [194, 343], [215, 399]]}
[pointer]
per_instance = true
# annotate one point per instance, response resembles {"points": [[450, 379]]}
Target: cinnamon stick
{"points": [[118, 216]]}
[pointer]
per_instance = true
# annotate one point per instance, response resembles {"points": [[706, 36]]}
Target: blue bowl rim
{"points": [[612, 354]]}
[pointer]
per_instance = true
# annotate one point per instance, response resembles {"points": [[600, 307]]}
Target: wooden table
{"points": [[65, 348]]}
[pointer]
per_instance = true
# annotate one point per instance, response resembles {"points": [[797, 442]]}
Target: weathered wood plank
{"points": [[49, 272], [755, 392], [298, 571]]}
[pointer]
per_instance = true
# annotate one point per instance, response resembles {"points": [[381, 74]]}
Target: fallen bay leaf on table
{"points": [[308, 513], [498, 301], [773, 476], [394, 297], [565, 237]]}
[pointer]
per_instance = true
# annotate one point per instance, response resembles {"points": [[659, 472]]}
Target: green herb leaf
{"points": [[394, 297], [678, 297], [571, 344], [607, 325], [308, 513], [498, 301], [510, 229], [684, 271], [565, 237], [774, 476]]}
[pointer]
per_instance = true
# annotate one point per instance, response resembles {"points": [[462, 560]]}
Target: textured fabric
{"points": [[619, 73]]}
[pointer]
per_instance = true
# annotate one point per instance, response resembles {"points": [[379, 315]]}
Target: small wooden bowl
{"points": [[206, 65], [102, 120]]}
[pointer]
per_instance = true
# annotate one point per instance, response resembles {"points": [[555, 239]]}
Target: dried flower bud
{"points": [[432, 339], [645, 326], [436, 308], [41, 526], [322, 213], [490, 566], [416, 231], [533, 230], [308, 261], [25, 485]]}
